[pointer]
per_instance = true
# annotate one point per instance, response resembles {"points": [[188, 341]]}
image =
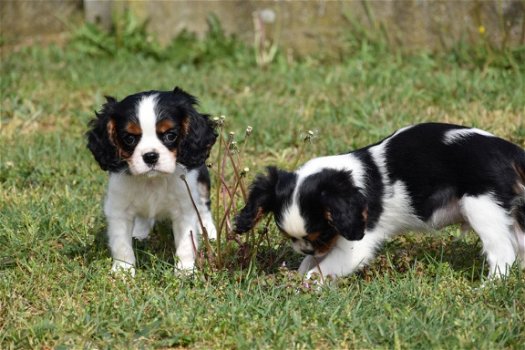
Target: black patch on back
{"points": [[436, 173]]}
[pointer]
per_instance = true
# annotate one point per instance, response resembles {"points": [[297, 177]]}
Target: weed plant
{"points": [[422, 290]]}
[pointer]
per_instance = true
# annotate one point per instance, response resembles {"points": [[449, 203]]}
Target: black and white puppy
{"points": [[146, 142], [339, 209]]}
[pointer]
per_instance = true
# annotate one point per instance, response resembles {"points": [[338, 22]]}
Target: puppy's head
{"points": [[312, 212], [149, 132]]}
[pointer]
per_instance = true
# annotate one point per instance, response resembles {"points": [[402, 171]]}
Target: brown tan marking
{"points": [[112, 135], [520, 181], [322, 249], [133, 128], [185, 126], [165, 125], [312, 237], [365, 214]]}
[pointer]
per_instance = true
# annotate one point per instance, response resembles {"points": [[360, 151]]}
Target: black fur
{"points": [[268, 194], [195, 147], [203, 178], [437, 173], [331, 203], [99, 142]]}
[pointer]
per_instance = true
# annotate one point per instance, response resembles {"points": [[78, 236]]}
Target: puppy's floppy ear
{"points": [[260, 200], [101, 138], [345, 207], [198, 134]]}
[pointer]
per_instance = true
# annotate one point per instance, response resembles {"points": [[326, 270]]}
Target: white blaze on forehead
{"points": [[452, 136], [147, 117], [292, 222], [345, 162]]}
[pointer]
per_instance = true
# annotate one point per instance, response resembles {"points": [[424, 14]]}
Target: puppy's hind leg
{"points": [[520, 238], [494, 226], [142, 227], [518, 212]]}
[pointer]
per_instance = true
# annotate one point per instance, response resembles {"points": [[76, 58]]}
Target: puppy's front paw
{"points": [[307, 264], [212, 232], [314, 275], [317, 279], [122, 267], [184, 269]]}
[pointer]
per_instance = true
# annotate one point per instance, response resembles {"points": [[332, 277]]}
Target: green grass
{"points": [[422, 290]]}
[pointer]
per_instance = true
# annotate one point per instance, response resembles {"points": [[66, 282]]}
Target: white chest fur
{"points": [[157, 197]]}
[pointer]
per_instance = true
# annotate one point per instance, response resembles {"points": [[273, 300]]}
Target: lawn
{"points": [[422, 290]]}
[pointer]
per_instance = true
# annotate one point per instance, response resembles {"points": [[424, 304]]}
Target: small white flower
{"points": [[267, 15]]}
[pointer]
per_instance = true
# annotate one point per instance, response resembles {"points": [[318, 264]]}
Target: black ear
{"points": [[101, 138], [260, 200], [198, 132], [345, 207]]}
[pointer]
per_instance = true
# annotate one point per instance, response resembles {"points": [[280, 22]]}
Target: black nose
{"points": [[150, 158]]}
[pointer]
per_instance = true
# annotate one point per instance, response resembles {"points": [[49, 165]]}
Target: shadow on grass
{"points": [[421, 254], [158, 246], [431, 255]]}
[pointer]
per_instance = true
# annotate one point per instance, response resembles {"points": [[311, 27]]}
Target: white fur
{"points": [[133, 203], [446, 216], [494, 227], [293, 221], [344, 258], [338, 162], [456, 135]]}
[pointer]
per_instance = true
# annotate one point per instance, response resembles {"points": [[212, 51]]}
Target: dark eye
{"points": [[169, 136], [130, 139]]}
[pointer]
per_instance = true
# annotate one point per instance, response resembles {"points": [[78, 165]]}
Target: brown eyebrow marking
{"points": [[323, 248], [165, 125], [313, 236], [133, 128], [185, 125], [112, 134]]}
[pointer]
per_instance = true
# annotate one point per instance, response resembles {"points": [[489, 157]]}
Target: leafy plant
{"points": [[129, 36]]}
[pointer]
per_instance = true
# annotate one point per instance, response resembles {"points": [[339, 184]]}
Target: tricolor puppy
{"points": [[339, 209], [146, 142]]}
